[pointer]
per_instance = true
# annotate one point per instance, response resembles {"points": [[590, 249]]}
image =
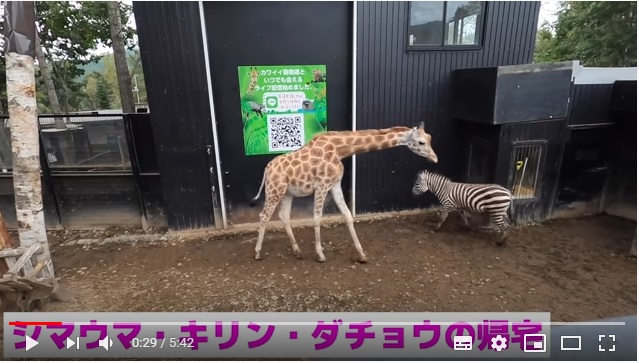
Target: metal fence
{"points": [[97, 170]]}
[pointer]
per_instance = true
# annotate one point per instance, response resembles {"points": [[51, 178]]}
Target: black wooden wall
{"points": [[623, 110], [398, 87], [590, 104], [172, 53], [237, 37], [586, 160]]}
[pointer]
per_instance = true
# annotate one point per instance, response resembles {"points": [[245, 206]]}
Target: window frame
{"points": [[480, 27], [541, 169]]}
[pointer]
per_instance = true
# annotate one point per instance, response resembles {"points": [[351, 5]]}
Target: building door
{"points": [[272, 40], [528, 164]]}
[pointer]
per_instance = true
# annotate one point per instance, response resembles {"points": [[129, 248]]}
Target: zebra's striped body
{"points": [[491, 199]]}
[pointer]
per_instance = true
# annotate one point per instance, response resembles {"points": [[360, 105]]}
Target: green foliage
{"points": [[319, 103], [255, 136], [597, 33], [110, 75], [103, 94], [544, 48], [248, 115], [70, 33], [312, 126]]}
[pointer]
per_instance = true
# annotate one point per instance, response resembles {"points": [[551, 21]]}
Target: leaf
{"points": [[597, 33], [312, 126], [255, 136]]}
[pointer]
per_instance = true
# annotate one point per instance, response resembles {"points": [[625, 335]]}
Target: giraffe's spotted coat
{"points": [[317, 168]]}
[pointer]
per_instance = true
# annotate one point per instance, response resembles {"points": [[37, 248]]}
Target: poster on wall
{"points": [[282, 107]]}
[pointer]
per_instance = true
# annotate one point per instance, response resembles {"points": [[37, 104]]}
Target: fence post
{"points": [[47, 179], [135, 168]]}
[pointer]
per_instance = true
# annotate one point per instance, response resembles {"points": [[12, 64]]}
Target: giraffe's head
{"points": [[419, 142]]}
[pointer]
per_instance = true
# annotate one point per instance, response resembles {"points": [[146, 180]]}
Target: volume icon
{"points": [[105, 343]]}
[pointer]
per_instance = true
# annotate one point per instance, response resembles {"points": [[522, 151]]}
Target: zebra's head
{"points": [[422, 184]]}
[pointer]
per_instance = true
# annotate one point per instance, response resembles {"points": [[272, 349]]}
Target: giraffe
{"points": [[316, 168]]}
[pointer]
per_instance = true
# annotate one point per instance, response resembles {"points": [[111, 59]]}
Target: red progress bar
{"points": [[35, 323]]}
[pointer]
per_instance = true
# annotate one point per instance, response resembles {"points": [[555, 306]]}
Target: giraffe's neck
{"points": [[361, 141]]}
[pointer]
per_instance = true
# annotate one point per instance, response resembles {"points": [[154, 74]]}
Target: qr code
{"points": [[285, 132]]}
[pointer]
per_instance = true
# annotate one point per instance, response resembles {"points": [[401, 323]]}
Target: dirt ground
{"points": [[577, 269]]}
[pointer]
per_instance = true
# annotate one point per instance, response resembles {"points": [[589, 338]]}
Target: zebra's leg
{"points": [[443, 215], [499, 221], [465, 215], [488, 224]]}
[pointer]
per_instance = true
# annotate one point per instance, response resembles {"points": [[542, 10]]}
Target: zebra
{"points": [[492, 199]]}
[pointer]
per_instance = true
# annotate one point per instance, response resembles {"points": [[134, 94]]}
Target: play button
{"points": [[70, 343], [30, 343]]}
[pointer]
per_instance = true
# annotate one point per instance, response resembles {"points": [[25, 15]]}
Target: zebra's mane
{"points": [[434, 176]]}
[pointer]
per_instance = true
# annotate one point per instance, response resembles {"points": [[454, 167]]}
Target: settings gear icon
{"points": [[498, 343]]}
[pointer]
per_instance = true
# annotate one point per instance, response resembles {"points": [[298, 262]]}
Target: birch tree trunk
{"points": [[25, 143], [25, 147], [119, 57], [48, 84]]}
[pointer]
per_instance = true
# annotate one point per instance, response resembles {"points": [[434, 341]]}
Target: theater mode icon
{"points": [[463, 342], [570, 342]]}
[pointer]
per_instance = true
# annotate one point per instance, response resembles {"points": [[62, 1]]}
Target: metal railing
{"points": [[99, 145]]}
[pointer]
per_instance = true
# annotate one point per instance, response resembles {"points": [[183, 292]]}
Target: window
{"points": [[525, 170], [445, 24], [91, 143]]}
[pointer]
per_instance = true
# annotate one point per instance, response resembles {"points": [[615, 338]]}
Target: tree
{"points": [[47, 77], [544, 45], [23, 120], [103, 94], [597, 33], [69, 33], [119, 56]]}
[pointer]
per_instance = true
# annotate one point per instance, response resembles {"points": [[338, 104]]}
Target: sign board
{"points": [[282, 107]]}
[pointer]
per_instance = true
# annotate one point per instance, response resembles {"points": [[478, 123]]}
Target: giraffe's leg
{"points": [[320, 197], [285, 217], [499, 221], [270, 203], [338, 196]]}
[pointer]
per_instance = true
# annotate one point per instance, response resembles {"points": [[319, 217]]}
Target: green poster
{"points": [[282, 107]]}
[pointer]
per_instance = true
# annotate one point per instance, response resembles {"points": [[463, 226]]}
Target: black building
{"points": [[388, 64], [464, 68]]}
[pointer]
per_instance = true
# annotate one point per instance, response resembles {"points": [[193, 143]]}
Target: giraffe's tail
{"points": [[255, 198]]}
